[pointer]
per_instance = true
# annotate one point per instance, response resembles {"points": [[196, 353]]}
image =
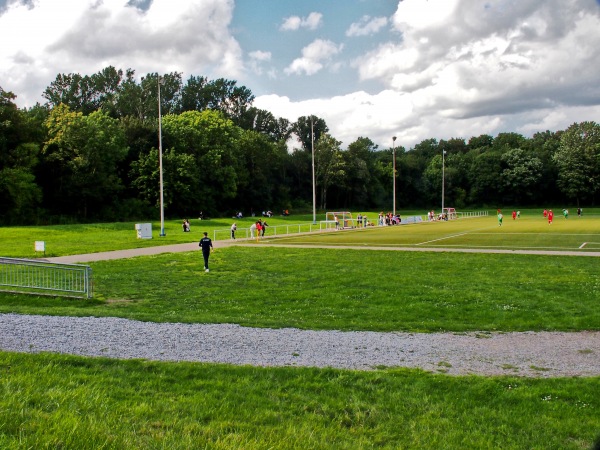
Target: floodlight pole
{"points": [[394, 169], [443, 177], [160, 164], [314, 193]]}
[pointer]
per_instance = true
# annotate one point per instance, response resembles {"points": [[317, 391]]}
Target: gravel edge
{"points": [[523, 354]]}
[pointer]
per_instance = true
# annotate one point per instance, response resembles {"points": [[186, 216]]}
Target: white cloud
{"points": [[260, 55], [311, 22], [468, 59], [257, 58], [366, 26], [171, 35], [314, 57]]}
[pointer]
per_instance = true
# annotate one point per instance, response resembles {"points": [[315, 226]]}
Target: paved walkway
{"points": [[193, 246]]}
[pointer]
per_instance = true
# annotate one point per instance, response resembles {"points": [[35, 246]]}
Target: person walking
{"points": [[550, 217], [500, 218], [206, 245], [233, 228]]}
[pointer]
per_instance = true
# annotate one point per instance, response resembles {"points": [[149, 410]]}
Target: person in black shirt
{"points": [[206, 245]]}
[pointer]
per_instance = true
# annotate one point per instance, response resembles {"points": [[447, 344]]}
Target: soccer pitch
{"points": [[533, 233]]}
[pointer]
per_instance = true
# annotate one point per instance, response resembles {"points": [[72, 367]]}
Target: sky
{"points": [[414, 69]]}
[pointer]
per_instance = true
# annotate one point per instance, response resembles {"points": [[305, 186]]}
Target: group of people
{"points": [[388, 219], [432, 217], [258, 228]]}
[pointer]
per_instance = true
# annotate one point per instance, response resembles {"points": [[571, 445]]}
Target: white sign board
{"points": [[40, 246]]}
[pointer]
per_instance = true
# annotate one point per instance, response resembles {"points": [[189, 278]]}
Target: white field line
{"points": [[476, 231], [586, 243], [443, 238]]}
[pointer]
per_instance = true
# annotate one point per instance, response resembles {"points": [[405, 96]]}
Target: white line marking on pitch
{"points": [[583, 245], [441, 239]]}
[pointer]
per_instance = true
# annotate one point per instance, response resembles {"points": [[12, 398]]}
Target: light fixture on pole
{"points": [[160, 166], [312, 141], [394, 170], [443, 176]]}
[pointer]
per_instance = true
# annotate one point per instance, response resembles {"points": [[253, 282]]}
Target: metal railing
{"points": [[465, 214], [41, 277], [271, 231]]}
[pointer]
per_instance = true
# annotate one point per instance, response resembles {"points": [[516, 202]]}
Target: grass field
{"points": [[527, 233], [54, 401]]}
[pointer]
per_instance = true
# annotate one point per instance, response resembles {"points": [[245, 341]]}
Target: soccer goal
{"points": [[449, 213], [339, 219]]}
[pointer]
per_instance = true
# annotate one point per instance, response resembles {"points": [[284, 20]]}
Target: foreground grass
{"points": [[53, 401], [342, 289]]}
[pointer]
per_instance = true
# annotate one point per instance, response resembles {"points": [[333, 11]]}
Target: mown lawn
{"points": [[342, 289], [53, 401]]}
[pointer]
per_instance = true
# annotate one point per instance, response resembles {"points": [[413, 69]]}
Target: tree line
{"points": [[90, 153]]}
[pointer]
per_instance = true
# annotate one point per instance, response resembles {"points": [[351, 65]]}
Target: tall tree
{"points": [[329, 165], [211, 140], [578, 161], [308, 128], [19, 191], [521, 174], [84, 152]]}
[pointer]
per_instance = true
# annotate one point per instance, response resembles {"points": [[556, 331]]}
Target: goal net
{"points": [[343, 219], [449, 213]]}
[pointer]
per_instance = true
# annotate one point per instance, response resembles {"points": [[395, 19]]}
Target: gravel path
{"points": [[529, 354], [545, 354]]}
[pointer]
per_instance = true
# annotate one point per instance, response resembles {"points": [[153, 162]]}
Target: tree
{"points": [[265, 122], [86, 94], [19, 191], [260, 176], [309, 128], [578, 161], [329, 165], [84, 152], [223, 95], [180, 175], [521, 174], [362, 184], [484, 175], [211, 140]]}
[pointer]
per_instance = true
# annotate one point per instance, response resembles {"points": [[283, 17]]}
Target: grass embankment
{"points": [[342, 289], [50, 401]]}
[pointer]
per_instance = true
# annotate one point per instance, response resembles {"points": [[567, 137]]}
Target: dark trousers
{"points": [[206, 255]]}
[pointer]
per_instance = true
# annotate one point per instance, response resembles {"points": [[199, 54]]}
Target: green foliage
{"points": [[86, 151], [578, 161], [207, 118]]}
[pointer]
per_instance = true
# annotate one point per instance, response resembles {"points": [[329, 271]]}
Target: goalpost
{"points": [[449, 213], [344, 220]]}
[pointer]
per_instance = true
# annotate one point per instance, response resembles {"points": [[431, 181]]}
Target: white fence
{"points": [[42, 277], [324, 225], [466, 214], [270, 231]]}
